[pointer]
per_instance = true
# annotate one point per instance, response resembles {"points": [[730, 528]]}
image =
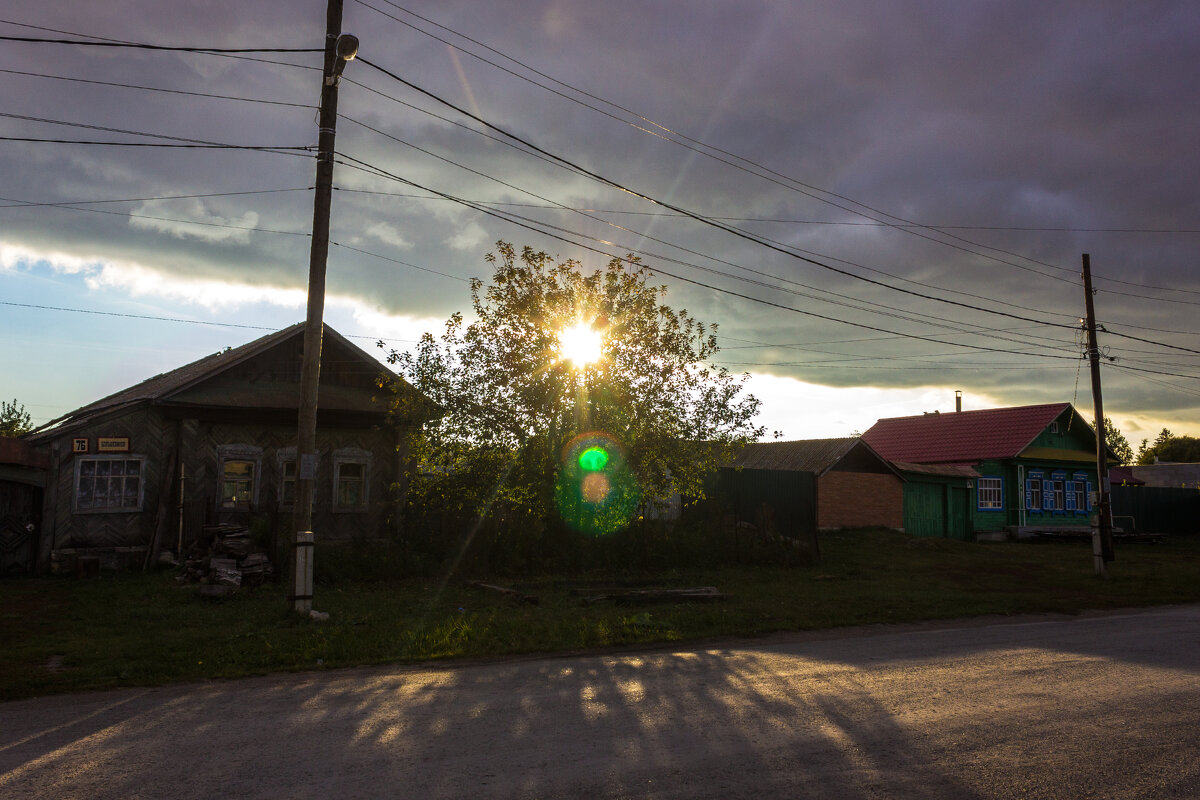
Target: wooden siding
{"points": [[938, 508], [154, 435]]}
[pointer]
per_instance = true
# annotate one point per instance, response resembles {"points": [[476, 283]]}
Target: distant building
{"points": [[1167, 475], [1036, 465]]}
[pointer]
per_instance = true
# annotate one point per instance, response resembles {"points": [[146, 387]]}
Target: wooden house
{"points": [[214, 442], [855, 487], [1036, 465], [22, 480]]}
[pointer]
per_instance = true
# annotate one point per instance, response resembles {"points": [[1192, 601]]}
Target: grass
{"points": [[132, 629]]}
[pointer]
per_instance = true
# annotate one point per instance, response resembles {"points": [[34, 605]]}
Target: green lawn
{"points": [[131, 629]]}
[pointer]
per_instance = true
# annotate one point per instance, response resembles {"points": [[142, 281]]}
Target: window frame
{"points": [[1035, 498], [352, 456], [285, 457], [996, 504], [80, 460], [239, 452], [1058, 494]]}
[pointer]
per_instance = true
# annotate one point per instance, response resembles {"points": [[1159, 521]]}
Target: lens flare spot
{"points": [[595, 488], [593, 459]]}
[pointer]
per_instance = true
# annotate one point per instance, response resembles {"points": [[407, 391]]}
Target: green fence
{"points": [[1156, 509]]}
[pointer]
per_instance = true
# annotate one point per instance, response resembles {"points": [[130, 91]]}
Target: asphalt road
{"points": [[1093, 706]]}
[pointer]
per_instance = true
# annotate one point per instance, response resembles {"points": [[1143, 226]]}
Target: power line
{"points": [[125, 214], [698, 217], [857, 304], [106, 129], [558, 162], [777, 247], [22, 203], [553, 204], [124, 41], [158, 89], [723, 218], [398, 261], [703, 148], [184, 320], [530, 225], [170, 48], [267, 148]]}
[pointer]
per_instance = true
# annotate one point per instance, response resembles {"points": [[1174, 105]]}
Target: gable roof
{"points": [[163, 387], [964, 437], [817, 456]]}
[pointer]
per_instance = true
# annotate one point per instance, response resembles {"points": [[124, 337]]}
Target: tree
{"points": [[1122, 452], [1171, 448], [1147, 454], [523, 429], [14, 419]]}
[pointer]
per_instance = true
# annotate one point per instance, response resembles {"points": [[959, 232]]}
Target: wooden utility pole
{"points": [[1102, 536], [338, 50]]}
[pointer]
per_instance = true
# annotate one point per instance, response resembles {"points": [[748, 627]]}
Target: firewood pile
{"points": [[225, 556]]}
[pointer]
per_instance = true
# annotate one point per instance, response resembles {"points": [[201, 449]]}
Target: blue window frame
{"points": [[1035, 494], [1058, 494]]}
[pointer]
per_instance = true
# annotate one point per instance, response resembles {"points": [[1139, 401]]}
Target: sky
{"points": [[877, 204]]}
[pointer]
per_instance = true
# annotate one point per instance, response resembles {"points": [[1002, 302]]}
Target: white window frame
{"points": [[351, 456], [990, 493], [285, 457], [107, 509]]}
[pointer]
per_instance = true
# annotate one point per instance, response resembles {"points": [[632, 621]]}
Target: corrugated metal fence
{"points": [[1158, 510], [770, 504]]}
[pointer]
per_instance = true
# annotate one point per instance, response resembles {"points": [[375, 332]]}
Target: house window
{"points": [[1033, 492], [1057, 501], [990, 493], [239, 469], [351, 468], [237, 483], [108, 484], [350, 487], [287, 483]]}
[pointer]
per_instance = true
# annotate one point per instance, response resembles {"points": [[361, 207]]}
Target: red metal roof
{"points": [[963, 436]]}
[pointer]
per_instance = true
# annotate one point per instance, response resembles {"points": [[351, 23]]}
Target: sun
{"points": [[580, 344]]}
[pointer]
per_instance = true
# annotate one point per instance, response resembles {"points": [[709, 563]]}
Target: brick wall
{"points": [[859, 499]]}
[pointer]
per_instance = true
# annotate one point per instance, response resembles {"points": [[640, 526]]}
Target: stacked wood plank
{"points": [[225, 556]]}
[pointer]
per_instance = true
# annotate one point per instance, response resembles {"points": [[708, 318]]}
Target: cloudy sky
{"points": [[914, 182]]}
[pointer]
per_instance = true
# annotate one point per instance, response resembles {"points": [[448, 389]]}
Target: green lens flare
{"points": [[595, 491], [593, 459]]}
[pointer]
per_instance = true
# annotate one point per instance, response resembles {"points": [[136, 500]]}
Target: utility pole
{"points": [[1102, 538], [339, 49]]}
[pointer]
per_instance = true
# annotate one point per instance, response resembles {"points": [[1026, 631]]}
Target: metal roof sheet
{"points": [[806, 455], [962, 436]]}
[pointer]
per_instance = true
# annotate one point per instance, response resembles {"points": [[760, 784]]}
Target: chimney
{"points": [[958, 399]]}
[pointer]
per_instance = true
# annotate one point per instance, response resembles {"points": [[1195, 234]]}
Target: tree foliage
{"points": [[1122, 451], [1168, 447], [511, 404], [14, 419]]}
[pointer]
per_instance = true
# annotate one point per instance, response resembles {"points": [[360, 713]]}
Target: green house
{"points": [[1036, 465]]}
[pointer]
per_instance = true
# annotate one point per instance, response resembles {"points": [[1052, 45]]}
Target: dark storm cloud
{"points": [[996, 115]]}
